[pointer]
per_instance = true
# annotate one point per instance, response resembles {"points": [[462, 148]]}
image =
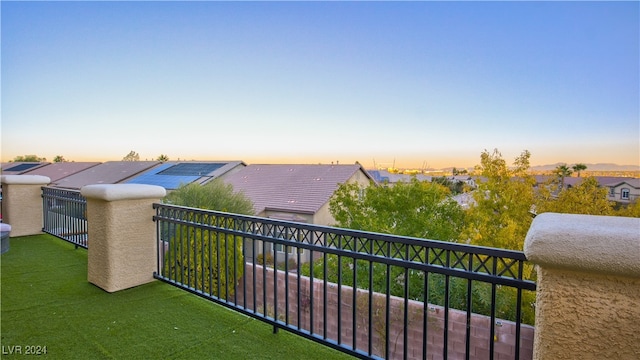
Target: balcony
{"points": [[587, 275], [48, 306]]}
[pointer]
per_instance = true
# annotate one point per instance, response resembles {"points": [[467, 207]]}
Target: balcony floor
{"points": [[46, 300]]}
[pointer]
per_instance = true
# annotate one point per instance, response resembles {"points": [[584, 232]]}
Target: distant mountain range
{"points": [[591, 167]]}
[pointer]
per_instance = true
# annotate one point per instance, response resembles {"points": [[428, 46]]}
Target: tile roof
{"points": [[171, 175], [111, 172], [633, 182], [291, 188], [57, 171], [573, 181]]}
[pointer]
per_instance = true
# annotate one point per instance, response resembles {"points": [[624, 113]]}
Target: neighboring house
{"points": [[111, 172], [295, 192], [544, 180], [171, 175], [299, 193], [572, 181], [389, 178], [466, 179], [624, 191]]}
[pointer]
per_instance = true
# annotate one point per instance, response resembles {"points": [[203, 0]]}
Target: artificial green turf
{"points": [[46, 300]]}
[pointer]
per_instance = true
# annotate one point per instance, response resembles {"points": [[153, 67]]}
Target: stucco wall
{"points": [[321, 217], [123, 245], [22, 203], [588, 286], [587, 316]]}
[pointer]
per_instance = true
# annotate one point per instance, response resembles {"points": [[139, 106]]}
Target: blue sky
{"points": [[410, 83]]}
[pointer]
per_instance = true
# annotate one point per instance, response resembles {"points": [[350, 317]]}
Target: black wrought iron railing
{"points": [[366, 294], [65, 215]]}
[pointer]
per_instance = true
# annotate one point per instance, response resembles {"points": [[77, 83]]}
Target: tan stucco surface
{"points": [[600, 244], [586, 316], [123, 246], [25, 179], [114, 192], [22, 203], [588, 286]]}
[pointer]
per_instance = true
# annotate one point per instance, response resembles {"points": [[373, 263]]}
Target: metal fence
{"points": [[366, 294], [65, 215]]}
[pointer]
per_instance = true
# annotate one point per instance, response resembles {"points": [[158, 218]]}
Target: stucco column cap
{"points": [[116, 192], [25, 180], [601, 244]]}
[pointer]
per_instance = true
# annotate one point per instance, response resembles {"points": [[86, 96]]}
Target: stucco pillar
{"points": [[588, 292], [121, 234], [22, 203]]}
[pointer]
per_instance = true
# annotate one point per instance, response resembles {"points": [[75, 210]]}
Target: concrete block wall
{"points": [[480, 325]]}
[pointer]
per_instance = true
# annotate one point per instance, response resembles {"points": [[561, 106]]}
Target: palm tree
{"points": [[562, 171], [163, 158], [579, 167]]}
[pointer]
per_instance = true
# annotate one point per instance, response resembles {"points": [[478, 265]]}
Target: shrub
{"points": [[268, 261], [206, 260], [480, 291]]}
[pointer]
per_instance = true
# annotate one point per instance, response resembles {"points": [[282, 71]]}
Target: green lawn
{"points": [[47, 302]]}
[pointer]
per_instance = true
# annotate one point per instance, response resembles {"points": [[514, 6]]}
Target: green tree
{"points": [[629, 210], [414, 208], [131, 156], [214, 195], [578, 168], [425, 210], [456, 172], [500, 218], [501, 214], [587, 198], [29, 158], [59, 158], [562, 172], [455, 186], [211, 261]]}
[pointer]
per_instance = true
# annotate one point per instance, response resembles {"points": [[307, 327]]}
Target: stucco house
{"points": [[299, 193], [603, 181], [388, 178], [624, 190]]}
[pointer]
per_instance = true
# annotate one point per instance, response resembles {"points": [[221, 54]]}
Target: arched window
{"points": [[624, 194]]}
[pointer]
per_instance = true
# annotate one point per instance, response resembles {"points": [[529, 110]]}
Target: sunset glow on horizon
{"points": [[405, 84]]}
